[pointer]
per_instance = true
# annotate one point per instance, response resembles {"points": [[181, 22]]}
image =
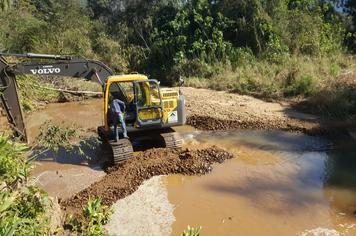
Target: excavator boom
{"points": [[55, 65]]}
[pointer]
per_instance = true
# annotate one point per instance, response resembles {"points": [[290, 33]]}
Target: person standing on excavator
{"points": [[117, 109]]}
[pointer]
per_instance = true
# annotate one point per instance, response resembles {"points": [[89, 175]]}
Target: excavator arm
{"points": [[56, 65]]}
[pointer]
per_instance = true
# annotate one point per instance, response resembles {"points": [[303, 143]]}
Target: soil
{"points": [[122, 180], [219, 110]]}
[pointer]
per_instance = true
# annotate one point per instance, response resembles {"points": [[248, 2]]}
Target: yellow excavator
{"points": [[150, 109]]}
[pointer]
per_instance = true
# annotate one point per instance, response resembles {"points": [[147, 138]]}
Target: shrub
{"points": [[300, 86], [23, 207], [54, 136], [90, 222], [13, 165]]}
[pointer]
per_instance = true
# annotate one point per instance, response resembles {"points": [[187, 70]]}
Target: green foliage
{"points": [[23, 207], [190, 231], [54, 136], [13, 165], [5, 4], [165, 38], [94, 216], [263, 48], [23, 212], [32, 94]]}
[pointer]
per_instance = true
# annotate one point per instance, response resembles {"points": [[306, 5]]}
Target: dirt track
{"points": [[123, 180]]}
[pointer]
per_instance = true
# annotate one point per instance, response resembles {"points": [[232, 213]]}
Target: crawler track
{"points": [[122, 150], [172, 140]]}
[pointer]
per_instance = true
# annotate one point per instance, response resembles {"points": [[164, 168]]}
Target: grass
{"points": [[90, 222], [190, 231], [324, 82]]}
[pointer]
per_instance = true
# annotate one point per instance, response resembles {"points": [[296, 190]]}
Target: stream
{"points": [[279, 183]]}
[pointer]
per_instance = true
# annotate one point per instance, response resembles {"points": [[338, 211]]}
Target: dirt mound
{"points": [[210, 123], [213, 110], [213, 124], [124, 179]]}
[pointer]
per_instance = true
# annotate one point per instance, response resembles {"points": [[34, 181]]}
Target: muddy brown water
{"points": [[85, 114], [279, 184]]}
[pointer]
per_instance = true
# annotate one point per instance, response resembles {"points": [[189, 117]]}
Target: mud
{"points": [[63, 180], [123, 180]]}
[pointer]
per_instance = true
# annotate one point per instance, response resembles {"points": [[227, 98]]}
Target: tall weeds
{"points": [[23, 207], [326, 83]]}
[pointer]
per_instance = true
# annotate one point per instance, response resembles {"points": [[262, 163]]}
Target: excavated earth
{"points": [[122, 180], [219, 110]]}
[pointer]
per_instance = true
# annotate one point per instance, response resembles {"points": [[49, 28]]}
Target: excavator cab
{"points": [[142, 97], [149, 106], [142, 100]]}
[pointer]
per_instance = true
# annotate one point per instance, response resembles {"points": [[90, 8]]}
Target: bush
{"points": [[90, 222], [13, 165], [53, 136], [300, 86], [32, 94], [23, 207]]}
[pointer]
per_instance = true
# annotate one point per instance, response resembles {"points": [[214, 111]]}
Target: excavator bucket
{"points": [[9, 100]]}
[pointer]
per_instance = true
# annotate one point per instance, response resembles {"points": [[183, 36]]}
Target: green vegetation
{"points": [[92, 219], [35, 92], [32, 95], [280, 48], [190, 231], [63, 137], [53, 137], [23, 207], [326, 85]]}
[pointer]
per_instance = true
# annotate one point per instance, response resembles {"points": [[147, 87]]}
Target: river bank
{"points": [[206, 110]]}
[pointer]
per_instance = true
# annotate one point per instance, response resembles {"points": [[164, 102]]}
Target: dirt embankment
{"points": [[219, 110], [122, 180]]}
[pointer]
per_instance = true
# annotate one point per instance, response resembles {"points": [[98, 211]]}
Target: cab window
{"points": [[123, 91]]}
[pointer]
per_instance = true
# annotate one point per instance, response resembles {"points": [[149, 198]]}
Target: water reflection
{"points": [[283, 183]]}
